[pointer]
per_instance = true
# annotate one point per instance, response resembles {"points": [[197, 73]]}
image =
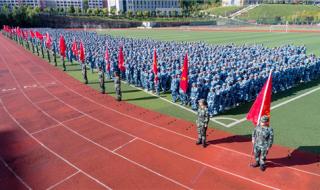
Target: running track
{"points": [[56, 133]]}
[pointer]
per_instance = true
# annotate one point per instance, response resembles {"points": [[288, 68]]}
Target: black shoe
{"points": [[262, 168], [204, 145], [198, 142], [255, 165]]}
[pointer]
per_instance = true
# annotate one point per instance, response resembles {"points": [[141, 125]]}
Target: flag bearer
{"points": [[262, 139]]}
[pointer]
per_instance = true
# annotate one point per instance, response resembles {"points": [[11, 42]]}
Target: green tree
{"points": [[105, 12], [129, 14], [71, 9], [139, 14], [146, 14], [113, 11]]}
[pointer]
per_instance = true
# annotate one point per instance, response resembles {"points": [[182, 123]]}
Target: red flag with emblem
{"points": [[32, 34], [121, 60], [39, 35], [155, 65], [62, 44], [184, 75], [48, 41], [74, 48], [82, 55], [261, 105]]}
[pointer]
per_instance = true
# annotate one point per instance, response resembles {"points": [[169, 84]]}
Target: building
{"points": [[164, 6], [12, 3], [98, 4], [63, 3]]}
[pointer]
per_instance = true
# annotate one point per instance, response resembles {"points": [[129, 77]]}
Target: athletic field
{"points": [[295, 114], [58, 133]]}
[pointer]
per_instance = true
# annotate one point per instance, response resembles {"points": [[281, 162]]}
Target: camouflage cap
{"points": [[264, 119]]}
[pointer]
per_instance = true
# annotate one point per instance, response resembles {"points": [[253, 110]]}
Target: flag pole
{"points": [[264, 96], [259, 116]]}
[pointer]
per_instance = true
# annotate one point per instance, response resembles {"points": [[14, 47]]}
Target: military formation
{"points": [[220, 76], [223, 75]]}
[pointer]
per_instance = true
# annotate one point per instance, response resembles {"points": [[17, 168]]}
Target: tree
{"points": [[138, 13], [96, 12], [146, 14], [105, 12], [89, 11], [113, 11], [71, 9], [129, 14]]}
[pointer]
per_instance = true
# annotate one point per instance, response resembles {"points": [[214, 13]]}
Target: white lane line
{"points": [[15, 174], [63, 180], [34, 138], [125, 158], [7, 89], [279, 105], [44, 101], [125, 144], [56, 125], [176, 153], [175, 104], [30, 86], [165, 129], [171, 131], [172, 180]]}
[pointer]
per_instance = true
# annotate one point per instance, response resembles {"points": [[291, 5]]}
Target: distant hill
{"points": [[281, 13]]}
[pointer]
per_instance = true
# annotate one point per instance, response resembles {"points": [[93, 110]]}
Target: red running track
{"points": [[56, 133]]}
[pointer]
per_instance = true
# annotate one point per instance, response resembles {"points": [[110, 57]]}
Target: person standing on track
{"points": [[202, 122], [262, 139], [101, 79], [117, 86]]}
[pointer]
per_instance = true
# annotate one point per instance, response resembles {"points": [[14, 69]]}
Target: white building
{"points": [[98, 4], [164, 6], [63, 3], [12, 3]]}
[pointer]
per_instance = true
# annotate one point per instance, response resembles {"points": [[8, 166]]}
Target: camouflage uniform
{"points": [[262, 138], [202, 123], [101, 80], [117, 86], [84, 73]]}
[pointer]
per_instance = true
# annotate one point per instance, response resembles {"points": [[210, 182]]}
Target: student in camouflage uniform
{"points": [[84, 72], [262, 139], [202, 122], [117, 86], [101, 80]]}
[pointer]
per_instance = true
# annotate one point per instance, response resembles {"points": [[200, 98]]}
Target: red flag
{"points": [[39, 35], [155, 65], [121, 60], [32, 34], [82, 55], [184, 75], [74, 48], [62, 46], [48, 41], [25, 35], [261, 105], [106, 58]]}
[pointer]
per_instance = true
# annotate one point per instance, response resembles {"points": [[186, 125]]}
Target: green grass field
{"points": [[277, 10], [295, 123], [311, 40], [222, 11]]}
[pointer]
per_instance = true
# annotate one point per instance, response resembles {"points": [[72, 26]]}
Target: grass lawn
{"points": [[222, 11], [277, 10], [295, 124], [311, 40]]}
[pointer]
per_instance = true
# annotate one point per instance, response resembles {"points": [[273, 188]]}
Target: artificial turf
{"points": [[295, 124]]}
